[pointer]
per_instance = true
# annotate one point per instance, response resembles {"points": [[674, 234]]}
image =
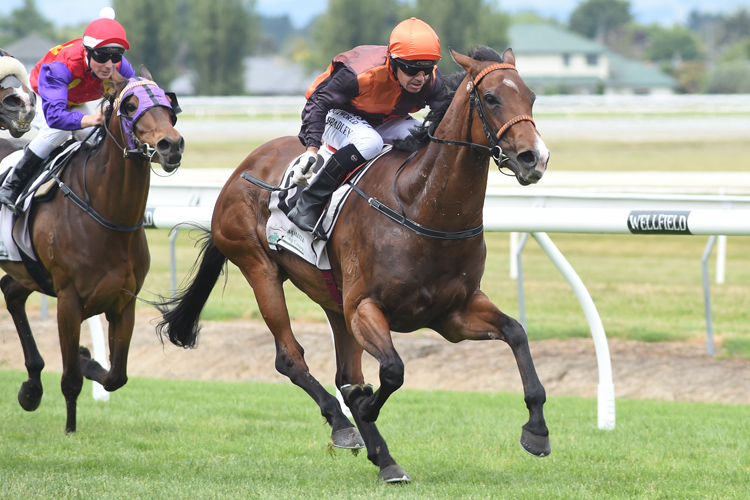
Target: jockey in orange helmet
{"points": [[362, 101], [69, 76]]}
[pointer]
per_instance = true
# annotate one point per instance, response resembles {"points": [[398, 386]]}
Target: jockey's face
{"points": [[412, 84], [102, 70]]}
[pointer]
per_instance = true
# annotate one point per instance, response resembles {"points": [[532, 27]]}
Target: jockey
{"points": [[362, 101], [68, 77]]}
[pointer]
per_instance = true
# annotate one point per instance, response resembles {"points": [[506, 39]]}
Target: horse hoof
{"points": [[539, 446], [349, 439], [394, 474], [30, 396]]}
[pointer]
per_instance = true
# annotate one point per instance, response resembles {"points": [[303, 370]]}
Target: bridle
{"points": [[494, 150], [135, 147]]}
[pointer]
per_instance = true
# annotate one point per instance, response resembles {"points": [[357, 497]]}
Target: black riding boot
{"points": [[310, 204], [25, 170]]}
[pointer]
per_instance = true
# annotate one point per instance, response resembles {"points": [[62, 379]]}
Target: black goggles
{"points": [[413, 68], [102, 57]]}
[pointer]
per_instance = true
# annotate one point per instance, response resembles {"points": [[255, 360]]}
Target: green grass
{"points": [[185, 439], [613, 156], [644, 287]]}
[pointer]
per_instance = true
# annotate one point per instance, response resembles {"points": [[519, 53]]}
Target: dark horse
{"points": [[17, 100], [90, 241], [391, 278]]}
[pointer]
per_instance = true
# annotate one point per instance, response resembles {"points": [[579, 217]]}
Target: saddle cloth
{"points": [[15, 237], [282, 234]]}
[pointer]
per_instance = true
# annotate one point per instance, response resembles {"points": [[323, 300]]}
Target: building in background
{"points": [[553, 60]]}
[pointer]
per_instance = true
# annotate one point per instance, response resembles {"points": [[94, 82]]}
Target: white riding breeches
{"points": [[49, 138], [344, 128]]}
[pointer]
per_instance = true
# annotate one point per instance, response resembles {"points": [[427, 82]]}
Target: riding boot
{"points": [[25, 170], [310, 204]]}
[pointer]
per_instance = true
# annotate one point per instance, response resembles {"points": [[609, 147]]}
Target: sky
{"points": [[665, 12]]}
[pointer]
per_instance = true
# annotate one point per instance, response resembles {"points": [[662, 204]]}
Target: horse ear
{"points": [[509, 57], [465, 62], [117, 77], [145, 73]]}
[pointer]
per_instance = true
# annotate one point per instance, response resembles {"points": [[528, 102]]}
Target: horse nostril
{"points": [[527, 158], [12, 102], [164, 145]]}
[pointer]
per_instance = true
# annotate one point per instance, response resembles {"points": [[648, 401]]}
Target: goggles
{"points": [[413, 68], [103, 57]]}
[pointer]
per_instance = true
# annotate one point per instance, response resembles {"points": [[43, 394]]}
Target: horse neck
{"points": [[450, 181], [118, 186]]}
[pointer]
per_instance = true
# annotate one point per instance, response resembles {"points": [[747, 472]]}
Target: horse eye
{"points": [[490, 99], [130, 108]]}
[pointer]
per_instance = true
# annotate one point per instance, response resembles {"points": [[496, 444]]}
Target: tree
{"points": [[596, 18], [668, 44], [26, 20], [220, 34], [152, 29], [460, 24], [349, 23], [730, 78]]}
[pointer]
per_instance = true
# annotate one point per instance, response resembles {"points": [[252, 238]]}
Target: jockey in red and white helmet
{"points": [[363, 100], [69, 76]]}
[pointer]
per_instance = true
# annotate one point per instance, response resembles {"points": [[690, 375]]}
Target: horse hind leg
{"points": [[31, 391], [290, 360]]}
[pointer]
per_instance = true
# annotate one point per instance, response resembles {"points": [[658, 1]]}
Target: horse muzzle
{"points": [[529, 165], [18, 111], [169, 151]]}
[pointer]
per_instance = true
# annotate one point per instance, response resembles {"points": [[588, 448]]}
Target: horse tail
{"points": [[181, 313]]}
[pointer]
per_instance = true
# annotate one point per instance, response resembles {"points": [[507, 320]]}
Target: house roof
{"points": [[537, 38], [31, 48], [629, 73]]}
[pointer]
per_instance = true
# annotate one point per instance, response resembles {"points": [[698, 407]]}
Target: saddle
{"points": [[15, 237]]}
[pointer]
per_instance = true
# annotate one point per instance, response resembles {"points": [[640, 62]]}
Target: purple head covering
{"points": [[149, 94]]}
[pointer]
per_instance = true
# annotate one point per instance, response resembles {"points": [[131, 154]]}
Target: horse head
{"points": [[142, 116], [17, 100], [503, 103]]}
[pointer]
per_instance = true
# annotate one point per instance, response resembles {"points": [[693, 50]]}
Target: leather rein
{"points": [[494, 150], [142, 150]]}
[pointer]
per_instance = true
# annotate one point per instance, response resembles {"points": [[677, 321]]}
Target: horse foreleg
{"points": [[373, 333], [290, 360], [30, 393], [69, 330], [348, 375], [120, 332], [482, 320]]}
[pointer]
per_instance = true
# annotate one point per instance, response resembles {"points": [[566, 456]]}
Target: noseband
{"points": [[494, 150]]}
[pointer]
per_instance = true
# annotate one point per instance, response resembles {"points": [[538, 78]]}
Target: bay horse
{"points": [[17, 100], [391, 277], [90, 241]]}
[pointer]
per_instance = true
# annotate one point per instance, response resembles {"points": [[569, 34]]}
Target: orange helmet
{"points": [[414, 40], [105, 32]]}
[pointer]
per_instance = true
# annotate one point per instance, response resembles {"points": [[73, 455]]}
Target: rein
{"points": [[140, 149], [495, 151]]}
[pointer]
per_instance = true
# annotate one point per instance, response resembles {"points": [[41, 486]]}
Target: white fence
{"points": [[191, 196]]}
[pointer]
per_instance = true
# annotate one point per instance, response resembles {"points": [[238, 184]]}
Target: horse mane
{"points": [[101, 135], [419, 137]]}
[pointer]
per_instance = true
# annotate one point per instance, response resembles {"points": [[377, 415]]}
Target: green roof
{"points": [[538, 39], [549, 39]]}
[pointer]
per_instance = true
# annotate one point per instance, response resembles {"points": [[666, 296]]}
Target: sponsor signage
{"points": [[659, 222]]}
